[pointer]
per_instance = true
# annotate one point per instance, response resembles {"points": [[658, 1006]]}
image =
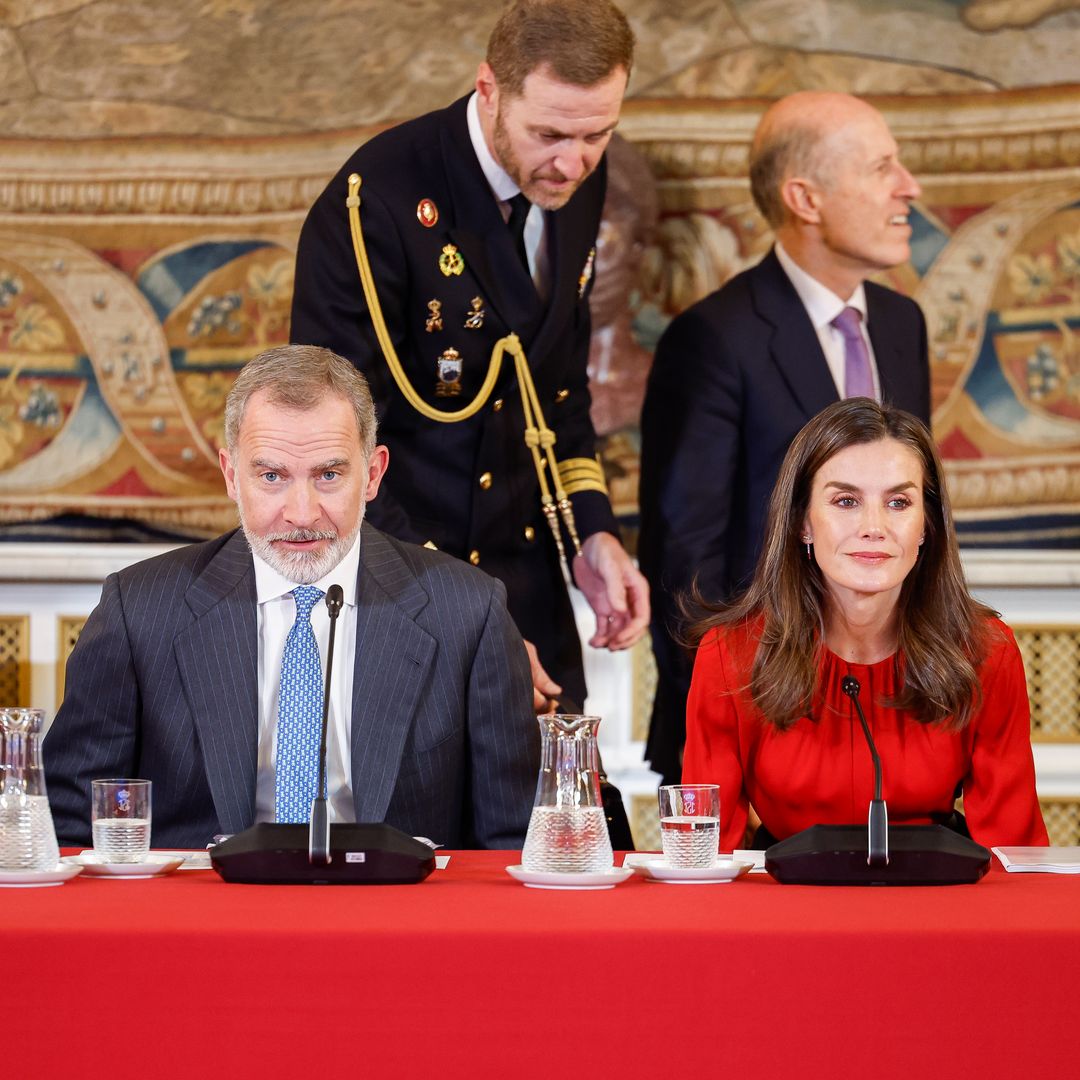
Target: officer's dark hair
{"points": [[299, 377], [582, 41]]}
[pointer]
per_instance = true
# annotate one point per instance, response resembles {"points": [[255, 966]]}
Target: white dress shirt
{"points": [[823, 305], [504, 189], [276, 615]]}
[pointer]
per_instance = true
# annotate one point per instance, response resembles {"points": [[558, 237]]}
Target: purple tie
{"points": [[858, 378]]}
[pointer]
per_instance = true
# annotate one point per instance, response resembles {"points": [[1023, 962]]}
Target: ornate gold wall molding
{"points": [[1052, 662], [15, 660], [684, 140], [997, 489], [1062, 816], [200, 177], [68, 629]]}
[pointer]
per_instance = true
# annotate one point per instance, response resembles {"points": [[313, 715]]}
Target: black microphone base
{"points": [[272, 854], [836, 855]]}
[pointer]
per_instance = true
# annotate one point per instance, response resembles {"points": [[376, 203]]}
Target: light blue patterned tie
{"points": [[299, 714]]}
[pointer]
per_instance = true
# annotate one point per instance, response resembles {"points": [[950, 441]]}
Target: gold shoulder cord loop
{"points": [[539, 438]]}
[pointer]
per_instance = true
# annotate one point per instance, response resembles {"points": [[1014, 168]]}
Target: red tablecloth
{"points": [[471, 974]]}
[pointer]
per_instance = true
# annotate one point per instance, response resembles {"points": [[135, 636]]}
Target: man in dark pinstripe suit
{"points": [[175, 677]]}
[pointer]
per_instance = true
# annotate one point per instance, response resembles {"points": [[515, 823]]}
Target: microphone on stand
{"points": [[319, 853], [319, 829], [877, 824], [878, 855]]}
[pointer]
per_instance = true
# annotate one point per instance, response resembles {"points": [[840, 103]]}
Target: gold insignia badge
{"points": [[448, 366], [586, 273], [450, 261], [434, 320], [427, 213], [475, 319]]}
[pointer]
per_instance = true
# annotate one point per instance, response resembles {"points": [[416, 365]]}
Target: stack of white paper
{"points": [[1041, 860]]}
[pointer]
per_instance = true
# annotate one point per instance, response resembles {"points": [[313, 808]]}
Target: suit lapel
{"points": [[394, 657], [565, 227], [217, 656], [894, 367], [794, 344], [485, 242]]}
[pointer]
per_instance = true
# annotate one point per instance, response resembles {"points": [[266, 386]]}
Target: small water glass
{"points": [[690, 824], [120, 818]]}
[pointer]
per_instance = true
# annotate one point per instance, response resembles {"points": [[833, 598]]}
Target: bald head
{"points": [[825, 171], [801, 135]]}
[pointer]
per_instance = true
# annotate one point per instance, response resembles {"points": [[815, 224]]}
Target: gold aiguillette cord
{"points": [[539, 438]]}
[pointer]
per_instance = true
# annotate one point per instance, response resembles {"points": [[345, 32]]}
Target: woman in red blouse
{"points": [[860, 574]]}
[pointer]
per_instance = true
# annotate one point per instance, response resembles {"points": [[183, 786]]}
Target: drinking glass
{"points": [[121, 820], [690, 823]]}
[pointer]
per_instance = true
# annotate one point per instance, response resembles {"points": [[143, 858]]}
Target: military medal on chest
{"points": [[586, 273], [475, 319], [434, 319], [451, 262], [427, 213], [448, 366]]}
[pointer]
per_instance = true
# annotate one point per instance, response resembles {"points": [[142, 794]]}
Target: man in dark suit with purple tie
{"points": [[480, 221], [201, 670], [738, 374]]}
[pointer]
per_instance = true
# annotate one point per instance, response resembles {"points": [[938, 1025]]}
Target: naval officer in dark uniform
{"points": [[480, 220]]}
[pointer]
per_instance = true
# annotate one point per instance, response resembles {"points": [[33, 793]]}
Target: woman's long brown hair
{"points": [[942, 629]]}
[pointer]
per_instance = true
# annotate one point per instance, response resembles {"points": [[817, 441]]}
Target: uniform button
{"points": [[485, 480], [561, 396], [530, 533], [474, 557], [497, 404]]}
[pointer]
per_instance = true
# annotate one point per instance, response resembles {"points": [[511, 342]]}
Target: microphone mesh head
{"points": [[850, 685]]}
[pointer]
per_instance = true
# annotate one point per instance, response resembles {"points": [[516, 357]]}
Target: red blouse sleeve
{"points": [[1000, 803], [712, 753]]}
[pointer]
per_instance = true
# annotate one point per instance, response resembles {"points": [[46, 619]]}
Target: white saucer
{"points": [[191, 860], [597, 879], [657, 868], [153, 865], [29, 879]]}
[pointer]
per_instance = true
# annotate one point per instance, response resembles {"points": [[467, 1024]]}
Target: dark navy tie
{"points": [[519, 213]]}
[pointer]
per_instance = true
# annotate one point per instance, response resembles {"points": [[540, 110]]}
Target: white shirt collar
{"points": [[269, 584], [497, 177], [821, 303]]}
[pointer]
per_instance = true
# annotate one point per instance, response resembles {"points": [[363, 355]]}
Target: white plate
{"points": [[657, 868], [29, 879], [153, 865], [598, 879]]}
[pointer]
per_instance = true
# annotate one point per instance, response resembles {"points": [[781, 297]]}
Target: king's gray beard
{"points": [[301, 567]]}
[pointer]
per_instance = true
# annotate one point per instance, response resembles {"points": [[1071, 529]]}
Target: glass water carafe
{"points": [[27, 836], [568, 831]]}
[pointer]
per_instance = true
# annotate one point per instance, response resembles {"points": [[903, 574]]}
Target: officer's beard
{"points": [[529, 185]]}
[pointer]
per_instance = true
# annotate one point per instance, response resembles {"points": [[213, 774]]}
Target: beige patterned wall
{"points": [[156, 162]]}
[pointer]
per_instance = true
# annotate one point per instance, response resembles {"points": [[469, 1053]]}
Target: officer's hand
{"points": [[545, 689], [616, 591]]}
